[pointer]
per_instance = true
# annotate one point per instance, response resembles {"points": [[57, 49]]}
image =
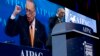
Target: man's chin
{"points": [[28, 20]]}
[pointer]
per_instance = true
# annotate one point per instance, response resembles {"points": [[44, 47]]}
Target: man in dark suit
{"points": [[57, 19], [31, 31], [52, 22]]}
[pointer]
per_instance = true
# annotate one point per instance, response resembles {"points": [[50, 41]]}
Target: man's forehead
{"points": [[29, 4], [61, 10]]}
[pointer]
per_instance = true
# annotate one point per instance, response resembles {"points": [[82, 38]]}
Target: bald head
{"points": [[61, 12]]}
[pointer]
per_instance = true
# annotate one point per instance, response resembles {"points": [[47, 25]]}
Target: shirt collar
{"points": [[33, 22]]}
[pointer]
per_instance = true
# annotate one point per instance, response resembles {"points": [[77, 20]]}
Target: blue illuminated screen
{"points": [[44, 10], [72, 16]]}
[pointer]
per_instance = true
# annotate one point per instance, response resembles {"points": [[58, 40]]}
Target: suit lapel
{"points": [[36, 31]]}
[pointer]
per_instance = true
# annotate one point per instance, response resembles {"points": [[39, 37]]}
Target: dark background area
{"points": [[90, 8]]}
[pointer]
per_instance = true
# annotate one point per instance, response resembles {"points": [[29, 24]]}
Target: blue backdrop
{"points": [[44, 10]]}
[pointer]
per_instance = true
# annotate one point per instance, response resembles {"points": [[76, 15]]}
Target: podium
{"points": [[13, 50], [72, 39]]}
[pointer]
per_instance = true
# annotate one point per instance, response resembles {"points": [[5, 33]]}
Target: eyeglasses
{"points": [[30, 11]]}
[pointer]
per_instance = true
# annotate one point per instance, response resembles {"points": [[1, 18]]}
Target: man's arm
{"points": [[49, 39], [11, 28], [52, 22]]}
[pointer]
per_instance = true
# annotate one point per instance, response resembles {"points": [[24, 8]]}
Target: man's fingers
{"points": [[17, 10], [18, 7]]}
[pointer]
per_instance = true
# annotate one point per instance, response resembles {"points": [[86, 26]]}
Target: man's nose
{"points": [[27, 12]]}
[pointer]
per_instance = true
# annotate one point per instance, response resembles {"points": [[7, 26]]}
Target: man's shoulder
{"points": [[53, 17], [22, 17], [38, 22]]}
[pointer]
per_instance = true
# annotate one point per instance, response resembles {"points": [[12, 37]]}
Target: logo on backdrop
{"points": [[88, 49]]}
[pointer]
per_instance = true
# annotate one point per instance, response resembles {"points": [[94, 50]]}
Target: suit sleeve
{"points": [[52, 22], [11, 28]]}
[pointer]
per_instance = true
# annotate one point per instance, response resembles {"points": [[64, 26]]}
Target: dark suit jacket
{"points": [[21, 27], [52, 22]]}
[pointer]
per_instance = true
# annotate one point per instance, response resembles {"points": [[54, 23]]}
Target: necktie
{"points": [[32, 33]]}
